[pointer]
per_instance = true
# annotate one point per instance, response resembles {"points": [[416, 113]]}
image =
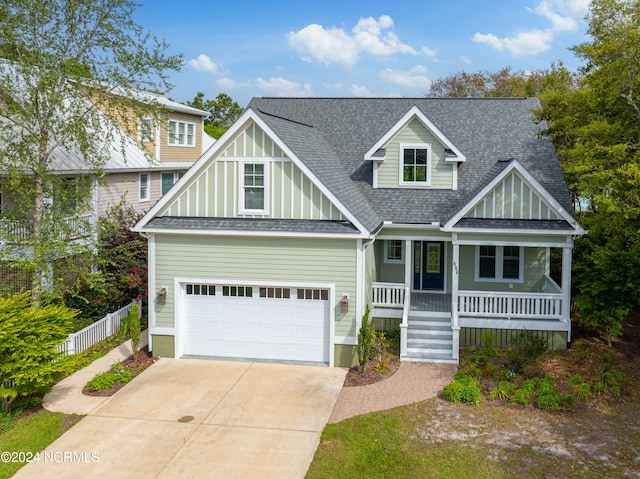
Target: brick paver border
{"points": [[412, 382]]}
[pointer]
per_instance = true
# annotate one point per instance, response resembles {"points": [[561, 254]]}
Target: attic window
{"points": [[415, 164], [254, 188]]}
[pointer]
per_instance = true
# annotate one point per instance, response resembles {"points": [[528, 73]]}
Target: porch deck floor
{"points": [[427, 301]]}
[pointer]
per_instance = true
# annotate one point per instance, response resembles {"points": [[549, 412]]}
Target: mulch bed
{"points": [[144, 361], [376, 371]]}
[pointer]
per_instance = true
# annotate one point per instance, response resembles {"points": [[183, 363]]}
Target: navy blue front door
{"points": [[428, 264]]}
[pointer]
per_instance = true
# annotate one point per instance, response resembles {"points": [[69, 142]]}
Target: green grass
{"points": [[31, 434]]}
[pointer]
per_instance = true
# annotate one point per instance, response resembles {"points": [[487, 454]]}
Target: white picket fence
{"points": [[94, 333]]}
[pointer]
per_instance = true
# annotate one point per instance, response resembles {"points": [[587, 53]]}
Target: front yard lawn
{"points": [[595, 435], [32, 433]]}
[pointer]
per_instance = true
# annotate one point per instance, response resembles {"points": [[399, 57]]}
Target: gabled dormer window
{"points": [[415, 164], [181, 133]]}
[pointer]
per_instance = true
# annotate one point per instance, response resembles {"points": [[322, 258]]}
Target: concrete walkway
{"points": [[411, 383], [66, 396]]}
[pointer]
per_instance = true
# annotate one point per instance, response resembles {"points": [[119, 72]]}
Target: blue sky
{"points": [[247, 48]]}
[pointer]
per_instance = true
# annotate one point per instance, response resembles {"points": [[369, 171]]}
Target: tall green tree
{"points": [[596, 131], [223, 112], [68, 61]]}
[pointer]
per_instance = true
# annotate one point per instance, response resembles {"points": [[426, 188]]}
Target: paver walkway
{"points": [[411, 383]]}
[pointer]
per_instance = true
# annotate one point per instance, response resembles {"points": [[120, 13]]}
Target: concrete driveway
{"points": [[200, 418]]}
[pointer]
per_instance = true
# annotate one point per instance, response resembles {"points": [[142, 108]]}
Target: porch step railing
{"points": [[510, 305], [389, 295]]}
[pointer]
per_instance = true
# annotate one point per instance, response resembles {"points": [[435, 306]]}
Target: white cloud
{"points": [[334, 45], [465, 59], [360, 91], [226, 83], [283, 87], [413, 78], [203, 64], [428, 51], [332, 86], [563, 15]]}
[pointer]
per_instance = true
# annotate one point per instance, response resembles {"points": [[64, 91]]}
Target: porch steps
{"points": [[429, 339]]}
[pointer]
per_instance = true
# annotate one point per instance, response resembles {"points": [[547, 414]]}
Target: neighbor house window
{"points": [[145, 129], [393, 251], [499, 263], [182, 133], [253, 188], [143, 189], [166, 181], [415, 164]]}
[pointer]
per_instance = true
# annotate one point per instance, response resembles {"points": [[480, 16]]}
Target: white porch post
{"points": [[455, 274], [408, 270], [566, 285]]}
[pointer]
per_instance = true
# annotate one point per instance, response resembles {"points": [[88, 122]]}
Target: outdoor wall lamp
{"points": [[344, 303], [162, 296]]}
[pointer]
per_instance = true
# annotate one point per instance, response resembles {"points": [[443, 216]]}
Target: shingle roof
{"points": [[332, 135], [251, 224], [499, 223]]}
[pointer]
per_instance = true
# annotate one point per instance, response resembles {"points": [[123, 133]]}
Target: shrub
{"points": [[548, 401], [526, 349], [365, 337], [29, 340], [575, 379], [134, 329], [465, 390], [521, 396], [503, 390], [116, 374], [583, 391]]}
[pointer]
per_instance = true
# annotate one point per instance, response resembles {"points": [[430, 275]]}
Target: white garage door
{"points": [[256, 322]]}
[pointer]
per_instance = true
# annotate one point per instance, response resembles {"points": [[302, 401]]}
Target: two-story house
{"points": [[449, 217]]}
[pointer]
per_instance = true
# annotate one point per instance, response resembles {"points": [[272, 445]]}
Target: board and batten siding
{"points": [[513, 198], [290, 193], [415, 132], [258, 259]]}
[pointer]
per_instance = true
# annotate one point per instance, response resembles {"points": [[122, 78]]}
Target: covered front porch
{"points": [[485, 284]]}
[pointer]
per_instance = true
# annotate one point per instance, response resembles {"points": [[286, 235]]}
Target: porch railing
{"points": [[17, 231], [389, 295], [510, 305]]}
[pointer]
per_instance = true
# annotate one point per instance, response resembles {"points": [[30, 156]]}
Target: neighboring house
{"points": [[142, 166], [442, 214], [174, 143]]}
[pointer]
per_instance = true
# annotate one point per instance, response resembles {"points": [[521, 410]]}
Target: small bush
{"points": [[465, 390], [575, 380], [548, 401], [583, 391], [106, 380], [365, 338], [504, 390], [521, 396], [526, 349]]}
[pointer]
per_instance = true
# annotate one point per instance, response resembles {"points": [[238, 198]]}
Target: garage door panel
{"points": [[256, 327]]}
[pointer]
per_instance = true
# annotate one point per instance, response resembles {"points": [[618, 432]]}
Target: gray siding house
{"points": [[443, 215]]}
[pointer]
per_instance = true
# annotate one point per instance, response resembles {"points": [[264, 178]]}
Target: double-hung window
{"points": [[393, 251], [253, 188], [143, 189], [415, 164], [499, 263], [145, 129], [182, 133]]}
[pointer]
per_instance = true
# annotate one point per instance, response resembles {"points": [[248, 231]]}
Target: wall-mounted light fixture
{"points": [[162, 296], [344, 303]]}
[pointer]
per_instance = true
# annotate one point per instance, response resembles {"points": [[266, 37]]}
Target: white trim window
{"points": [[504, 264], [415, 164], [167, 180], [143, 187], [182, 133], [145, 129], [254, 180], [393, 251]]}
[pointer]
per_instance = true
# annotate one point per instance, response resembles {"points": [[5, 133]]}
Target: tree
{"points": [[29, 340], [365, 338], [69, 62], [500, 84], [596, 131], [223, 112]]}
